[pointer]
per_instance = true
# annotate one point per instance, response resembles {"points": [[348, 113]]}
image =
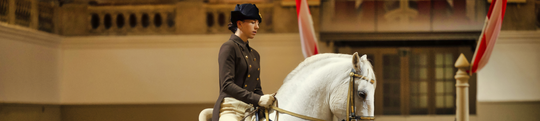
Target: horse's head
{"points": [[364, 90]]}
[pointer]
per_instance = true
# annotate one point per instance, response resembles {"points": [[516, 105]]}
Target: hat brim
{"points": [[237, 15]]}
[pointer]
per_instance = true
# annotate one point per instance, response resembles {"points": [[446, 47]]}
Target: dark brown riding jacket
{"points": [[239, 70]]}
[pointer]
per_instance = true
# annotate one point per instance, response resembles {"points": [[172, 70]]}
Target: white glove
{"points": [[266, 100]]}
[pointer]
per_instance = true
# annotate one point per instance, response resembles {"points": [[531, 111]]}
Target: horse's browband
{"points": [[352, 74]]}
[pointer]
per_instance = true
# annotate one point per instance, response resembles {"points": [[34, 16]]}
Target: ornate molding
{"points": [[25, 34], [400, 36], [519, 37], [172, 41]]}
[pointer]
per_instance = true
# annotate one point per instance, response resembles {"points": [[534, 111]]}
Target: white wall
{"points": [[37, 67], [42, 68], [29, 63], [513, 71], [162, 69]]}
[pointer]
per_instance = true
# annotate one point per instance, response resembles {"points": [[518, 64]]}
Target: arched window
{"points": [[209, 19], [221, 19], [107, 21], [538, 15], [120, 20], [132, 20], [145, 20], [94, 21], [157, 20]]}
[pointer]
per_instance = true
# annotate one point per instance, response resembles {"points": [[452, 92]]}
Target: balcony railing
{"points": [[34, 14], [185, 17], [139, 19]]}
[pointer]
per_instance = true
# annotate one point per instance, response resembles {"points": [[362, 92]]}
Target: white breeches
{"points": [[234, 110]]}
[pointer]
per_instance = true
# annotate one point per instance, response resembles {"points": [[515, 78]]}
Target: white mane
{"points": [[310, 62], [367, 71]]}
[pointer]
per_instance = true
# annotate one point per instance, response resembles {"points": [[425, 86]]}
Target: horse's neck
{"points": [[306, 99], [308, 91]]}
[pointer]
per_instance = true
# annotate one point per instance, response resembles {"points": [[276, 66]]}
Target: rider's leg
{"points": [[229, 116], [232, 109]]}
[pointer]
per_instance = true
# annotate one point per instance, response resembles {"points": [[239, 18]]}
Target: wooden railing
{"points": [[33, 14]]}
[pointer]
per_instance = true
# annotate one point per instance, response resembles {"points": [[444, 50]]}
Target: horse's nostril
{"points": [[362, 94]]}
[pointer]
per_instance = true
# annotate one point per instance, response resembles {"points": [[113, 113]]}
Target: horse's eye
{"points": [[362, 94]]}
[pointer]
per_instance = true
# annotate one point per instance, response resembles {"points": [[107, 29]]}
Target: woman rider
{"points": [[239, 68]]}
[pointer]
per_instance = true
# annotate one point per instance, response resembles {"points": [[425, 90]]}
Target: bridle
{"points": [[351, 107]]}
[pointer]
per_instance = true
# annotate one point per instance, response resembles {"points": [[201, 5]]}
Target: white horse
{"points": [[318, 88]]}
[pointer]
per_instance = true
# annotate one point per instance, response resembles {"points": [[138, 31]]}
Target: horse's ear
{"points": [[356, 61], [364, 58]]}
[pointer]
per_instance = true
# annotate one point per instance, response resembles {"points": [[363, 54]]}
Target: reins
{"points": [[278, 110], [250, 113]]}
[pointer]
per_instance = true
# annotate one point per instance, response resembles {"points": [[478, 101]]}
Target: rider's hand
{"points": [[266, 100]]}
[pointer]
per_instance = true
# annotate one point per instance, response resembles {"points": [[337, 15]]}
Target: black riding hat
{"points": [[245, 11]]}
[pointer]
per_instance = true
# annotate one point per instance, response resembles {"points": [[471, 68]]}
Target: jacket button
{"points": [[258, 69], [246, 56], [248, 75], [249, 66], [254, 59], [245, 85], [257, 79]]}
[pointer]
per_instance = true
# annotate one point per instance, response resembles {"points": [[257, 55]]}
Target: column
{"points": [[462, 89]]}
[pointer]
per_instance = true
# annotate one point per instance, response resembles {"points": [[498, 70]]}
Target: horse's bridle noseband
{"points": [[351, 107]]}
